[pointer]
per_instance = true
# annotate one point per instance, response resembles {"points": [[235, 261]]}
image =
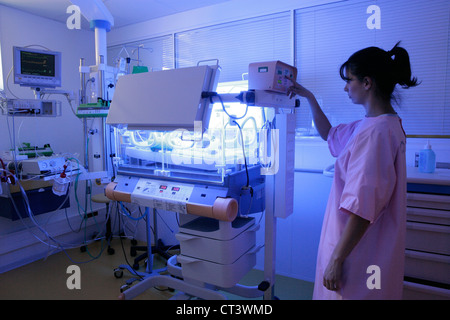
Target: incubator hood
{"points": [[164, 100]]}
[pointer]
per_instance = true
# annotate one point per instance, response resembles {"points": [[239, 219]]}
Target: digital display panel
{"points": [[37, 64]]}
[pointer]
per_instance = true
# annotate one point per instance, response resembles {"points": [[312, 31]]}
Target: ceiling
{"points": [[125, 12]]}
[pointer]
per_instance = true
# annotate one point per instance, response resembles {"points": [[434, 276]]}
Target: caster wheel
{"points": [[83, 249], [118, 273], [111, 251], [133, 242], [263, 286], [123, 288]]}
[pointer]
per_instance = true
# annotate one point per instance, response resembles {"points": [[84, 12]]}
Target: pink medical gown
{"points": [[369, 181]]}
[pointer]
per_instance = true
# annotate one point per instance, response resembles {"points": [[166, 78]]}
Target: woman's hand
{"points": [[297, 89], [332, 275], [351, 235], [323, 126]]}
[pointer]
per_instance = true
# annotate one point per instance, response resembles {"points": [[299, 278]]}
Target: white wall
{"points": [[64, 134]]}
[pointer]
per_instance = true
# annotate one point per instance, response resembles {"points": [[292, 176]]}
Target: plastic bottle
{"points": [[61, 183], [427, 159]]}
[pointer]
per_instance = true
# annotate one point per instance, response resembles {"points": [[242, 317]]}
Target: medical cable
{"points": [[164, 221], [229, 115], [126, 212], [126, 228], [243, 152], [48, 240], [58, 245], [123, 249]]}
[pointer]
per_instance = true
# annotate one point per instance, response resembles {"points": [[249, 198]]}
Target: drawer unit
{"points": [[427, 256], [216, 252]]}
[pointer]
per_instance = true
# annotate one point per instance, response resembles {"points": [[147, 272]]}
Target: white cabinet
{"points": [[427, 256]]}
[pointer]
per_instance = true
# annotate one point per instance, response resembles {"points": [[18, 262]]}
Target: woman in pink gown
{"points": [[362, 244]]}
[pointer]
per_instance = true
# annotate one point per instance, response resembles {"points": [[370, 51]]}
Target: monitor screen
{"points": [[37, 68], [39, 64]]}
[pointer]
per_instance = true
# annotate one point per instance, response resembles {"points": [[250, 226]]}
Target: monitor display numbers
{"points": [[165, 187]]}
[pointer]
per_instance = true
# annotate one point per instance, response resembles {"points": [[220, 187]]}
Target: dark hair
{"points": [[385, 68]]}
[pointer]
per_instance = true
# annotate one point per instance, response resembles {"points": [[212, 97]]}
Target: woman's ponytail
{"points": [[402, 67]]}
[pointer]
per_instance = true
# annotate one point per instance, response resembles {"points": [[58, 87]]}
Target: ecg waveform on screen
{"points": [[37, 64]]}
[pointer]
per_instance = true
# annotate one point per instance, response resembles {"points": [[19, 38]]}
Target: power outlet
{"points": [[91, 214]]}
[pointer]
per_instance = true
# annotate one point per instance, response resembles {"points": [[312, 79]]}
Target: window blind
{"points": [[237, 44], [327, 35]]}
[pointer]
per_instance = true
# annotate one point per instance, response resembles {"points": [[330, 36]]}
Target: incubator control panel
{"points": [[161, 194], [274, 76]]}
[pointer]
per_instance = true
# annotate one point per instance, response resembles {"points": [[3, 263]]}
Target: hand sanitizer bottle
{"points": [[427, 159]]}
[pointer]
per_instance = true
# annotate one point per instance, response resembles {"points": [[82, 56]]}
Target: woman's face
{"points": [[355, 88]]}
